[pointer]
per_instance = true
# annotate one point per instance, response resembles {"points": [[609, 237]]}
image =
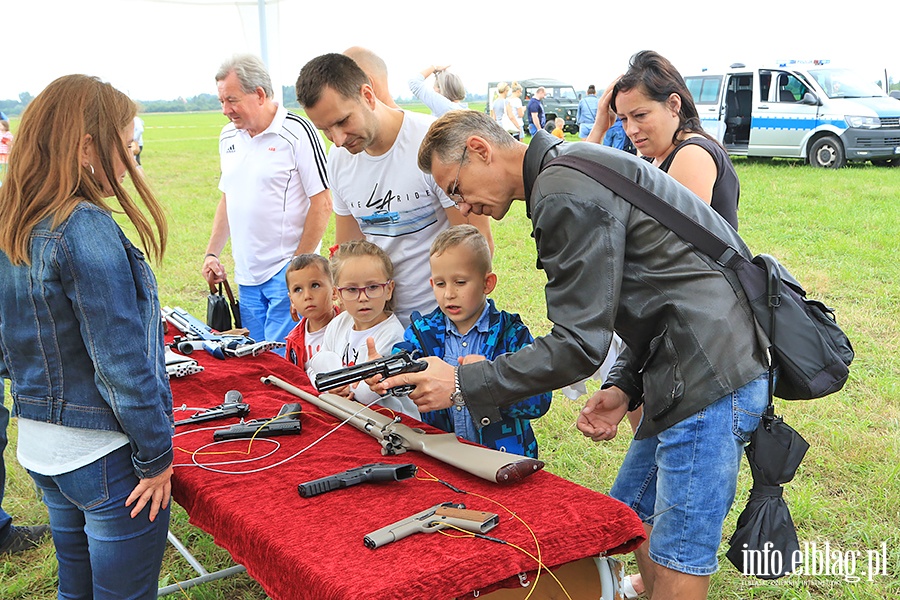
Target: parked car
{"points": [[822, 113], [560, 101]]}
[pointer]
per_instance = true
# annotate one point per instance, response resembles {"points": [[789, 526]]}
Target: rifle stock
{"points": [[396, 438]]}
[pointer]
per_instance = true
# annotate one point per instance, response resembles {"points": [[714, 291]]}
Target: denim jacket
{"points": [[82, 338], [507, 333]]}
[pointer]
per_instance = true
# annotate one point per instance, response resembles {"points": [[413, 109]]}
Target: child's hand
{"points": [[471, 358], [373, 354], [346, 391]]}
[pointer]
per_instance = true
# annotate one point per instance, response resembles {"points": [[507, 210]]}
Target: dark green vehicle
{"points": [[560, 101]]}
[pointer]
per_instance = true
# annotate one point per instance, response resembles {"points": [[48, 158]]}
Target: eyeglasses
{"points": [[454, 193], [372, 291]]}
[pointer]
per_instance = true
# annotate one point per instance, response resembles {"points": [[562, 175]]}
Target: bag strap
{"points": [[682, 225], [679, 223]]}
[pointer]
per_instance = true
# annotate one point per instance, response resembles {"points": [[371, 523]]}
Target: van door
{"points": [[781, 124], [737, 108], [707, 93]]}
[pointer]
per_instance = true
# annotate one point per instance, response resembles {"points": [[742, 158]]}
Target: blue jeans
{"points": [[266, 309], [5, 519], [693, 468], [103, 553]]}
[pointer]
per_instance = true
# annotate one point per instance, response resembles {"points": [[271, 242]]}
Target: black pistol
{"points": [[363, 474], [286, 422], [233, 407], [387, 366]]}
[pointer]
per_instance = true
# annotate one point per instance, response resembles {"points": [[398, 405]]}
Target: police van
{"points": [[815, 111]]}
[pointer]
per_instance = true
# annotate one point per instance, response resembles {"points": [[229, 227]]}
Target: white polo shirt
{"points": [[267, 181]]}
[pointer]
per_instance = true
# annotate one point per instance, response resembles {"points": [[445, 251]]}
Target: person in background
{"points": [[82, 339], [467, 327], [376, 70], [587, 112], [6, 140], [615, 138], [448, 92], [515, 103], [13, 538], [138, 139], [502, 111], [313, 296], [379, 193], [535, 110], [659, 116], [275, 200], [558, 124]]}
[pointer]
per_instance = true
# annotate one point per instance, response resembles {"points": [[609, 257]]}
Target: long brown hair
{"points": [[46, 177]]}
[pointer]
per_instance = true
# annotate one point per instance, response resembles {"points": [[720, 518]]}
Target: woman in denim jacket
{"points": [[82, 339]]}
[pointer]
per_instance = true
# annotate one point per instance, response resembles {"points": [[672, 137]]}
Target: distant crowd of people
{"points": [[410, 268]]}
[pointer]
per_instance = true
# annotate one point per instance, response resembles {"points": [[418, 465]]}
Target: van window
{"points": [[843, 83], [787, 88], [705, 90], [765, 82]]}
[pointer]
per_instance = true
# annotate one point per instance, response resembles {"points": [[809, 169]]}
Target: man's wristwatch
{"points": [[456, 397]]}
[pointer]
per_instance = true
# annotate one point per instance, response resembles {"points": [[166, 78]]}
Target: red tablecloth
{"points": [[313, 547]]}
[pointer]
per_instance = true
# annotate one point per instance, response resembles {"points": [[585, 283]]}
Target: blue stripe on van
{"points": [[794, 123]]}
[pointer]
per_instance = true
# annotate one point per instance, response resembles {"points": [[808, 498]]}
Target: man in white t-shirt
{"points": [[275, 198], [379, 192]]}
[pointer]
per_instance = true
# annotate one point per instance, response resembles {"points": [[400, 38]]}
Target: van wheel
{"points": [[827, 153]]}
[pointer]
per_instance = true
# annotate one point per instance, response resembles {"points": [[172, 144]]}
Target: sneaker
{"points": [[24, 538]]}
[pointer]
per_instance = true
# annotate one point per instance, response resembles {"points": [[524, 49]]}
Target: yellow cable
{"points": [[537, 559]]}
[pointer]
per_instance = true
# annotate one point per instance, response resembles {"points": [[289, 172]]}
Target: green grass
{"points": [[837, 231]]}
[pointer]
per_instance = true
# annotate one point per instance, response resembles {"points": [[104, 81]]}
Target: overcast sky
{"points": [[162, 49]]}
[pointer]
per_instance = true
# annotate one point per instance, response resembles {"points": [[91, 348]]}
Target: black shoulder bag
{"points": [[812, 353], [219, 310]]}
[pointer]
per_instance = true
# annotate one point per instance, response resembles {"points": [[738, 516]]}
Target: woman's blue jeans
{"points": [[103, 553]]}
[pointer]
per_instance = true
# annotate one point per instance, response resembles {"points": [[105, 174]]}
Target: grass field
{"points": [[838, 232]]}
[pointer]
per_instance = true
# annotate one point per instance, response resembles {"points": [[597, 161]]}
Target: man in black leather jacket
{"points": [[694, 360]]}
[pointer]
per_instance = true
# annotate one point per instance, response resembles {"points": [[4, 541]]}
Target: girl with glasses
{"points": [[363, 274]]}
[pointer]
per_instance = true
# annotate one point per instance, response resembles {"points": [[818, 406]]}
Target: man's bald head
{"points": [[375, 69]]}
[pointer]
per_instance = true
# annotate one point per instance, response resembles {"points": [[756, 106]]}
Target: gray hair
{"points": [[250, 71], [446, 138], [450, 86]]}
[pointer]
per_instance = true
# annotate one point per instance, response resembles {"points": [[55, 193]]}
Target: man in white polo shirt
{"points": [[379, 192], [275, 198]]}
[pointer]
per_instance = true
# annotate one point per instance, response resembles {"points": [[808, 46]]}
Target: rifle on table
{"points": [[387, 366], [397, 438], [363, 474], [287, 421], [434, 519]]}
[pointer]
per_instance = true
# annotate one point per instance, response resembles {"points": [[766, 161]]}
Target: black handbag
{"points": [[219, 310], [811, 351]]}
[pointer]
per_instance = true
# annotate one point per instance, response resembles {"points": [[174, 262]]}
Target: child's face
{"points": [[459, 287], [312, 295], [366, 275]]}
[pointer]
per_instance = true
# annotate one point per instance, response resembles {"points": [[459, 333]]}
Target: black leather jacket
{"points": [[689, 330]]}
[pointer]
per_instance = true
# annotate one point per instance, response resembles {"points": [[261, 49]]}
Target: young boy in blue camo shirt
{"points": [[467, 326]]}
